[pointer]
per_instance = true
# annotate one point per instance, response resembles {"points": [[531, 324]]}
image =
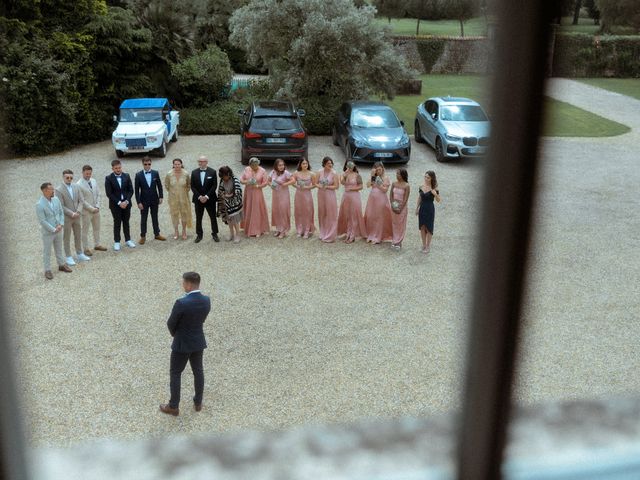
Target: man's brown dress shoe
{"points": [[48, 275], [88, 252], [142, 240], [160, 237], [100, 248], [65, 268], [165, 408], [197, 407]]}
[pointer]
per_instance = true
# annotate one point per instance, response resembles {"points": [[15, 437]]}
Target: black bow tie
{"points": [[147, 173]]}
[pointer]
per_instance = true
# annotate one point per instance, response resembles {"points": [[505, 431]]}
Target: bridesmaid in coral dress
{"points": [[327, 183], [280, 201], [255, 220], [350, 220], [303, 200], [377, 214], [399, 195]]}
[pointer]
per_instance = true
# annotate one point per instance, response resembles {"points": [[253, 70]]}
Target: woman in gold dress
{"points": [[178, 185]]}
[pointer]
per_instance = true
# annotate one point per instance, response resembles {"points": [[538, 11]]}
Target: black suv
{"points": [[272, 129]]}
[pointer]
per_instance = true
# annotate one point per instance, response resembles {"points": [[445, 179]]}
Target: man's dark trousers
{"points": [[178, 363], [154, 220]]}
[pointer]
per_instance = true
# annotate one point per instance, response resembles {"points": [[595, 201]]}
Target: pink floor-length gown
{"points": [[280, 203], [377, 214], [255, 218], [350, 219], [303, 208], [327, 209], [399, 220]]}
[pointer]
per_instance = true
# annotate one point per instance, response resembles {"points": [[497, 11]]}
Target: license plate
{"points": [[276, 140], [383, 154], [136, 147], [476, 151]]}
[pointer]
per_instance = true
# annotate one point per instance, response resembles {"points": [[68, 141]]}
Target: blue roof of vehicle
{"points": [[144, 103]]}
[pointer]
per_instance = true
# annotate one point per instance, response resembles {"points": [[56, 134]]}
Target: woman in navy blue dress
{"points": [[425, 209]]}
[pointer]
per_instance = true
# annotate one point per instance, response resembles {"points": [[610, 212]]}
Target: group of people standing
{"points": [[74, 208], [385, 214]]}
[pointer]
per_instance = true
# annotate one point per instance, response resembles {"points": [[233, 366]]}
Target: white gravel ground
{"points": [[308, 332]]}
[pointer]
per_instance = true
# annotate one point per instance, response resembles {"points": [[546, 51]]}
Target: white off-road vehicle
{"points": [[145, 125]]}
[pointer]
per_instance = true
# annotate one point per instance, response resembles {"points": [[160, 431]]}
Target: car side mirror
{"points": [[301, 112], [240, 111], [434, 116], [402, 123], [115, 118]]}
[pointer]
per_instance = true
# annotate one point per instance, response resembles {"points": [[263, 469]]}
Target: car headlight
{"points": [[152, 139], [359, 143], [404, 139], [453, 138], [118, 140]]}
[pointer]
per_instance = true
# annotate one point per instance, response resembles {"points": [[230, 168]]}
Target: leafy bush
{"points": [[430, 50], [319, 114], [216, 119], [582, 55], [202, 78]]}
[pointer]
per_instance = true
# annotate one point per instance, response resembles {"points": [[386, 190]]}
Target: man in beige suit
{"points": [[91, 211], [51, 219], [73, 203]]}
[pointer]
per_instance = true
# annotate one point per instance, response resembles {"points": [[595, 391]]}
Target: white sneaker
{"points": [[130, 244], [83, 258], [116, 246], [70, 261]]}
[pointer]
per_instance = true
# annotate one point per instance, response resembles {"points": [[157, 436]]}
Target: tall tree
{"points": [[319, 48], [390, 8], [624, 13], [461, 10], [424, 10], [576, 12]]}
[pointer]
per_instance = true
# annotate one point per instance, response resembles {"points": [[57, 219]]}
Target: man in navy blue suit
{"points": [[148, 190], [185, 325], [119, 190]]}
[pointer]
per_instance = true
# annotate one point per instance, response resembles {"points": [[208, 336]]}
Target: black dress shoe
{"points": [[215, 237], [198, 239]]}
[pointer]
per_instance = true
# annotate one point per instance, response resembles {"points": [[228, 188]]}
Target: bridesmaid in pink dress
{"points": [[303, 200], [328, 182], [350, 220], [280, 201], [255, 220], [377, 214], [399, 196]]}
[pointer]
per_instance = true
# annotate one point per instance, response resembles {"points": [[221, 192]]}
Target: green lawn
{"points": [[562, 119], [625, 86]]}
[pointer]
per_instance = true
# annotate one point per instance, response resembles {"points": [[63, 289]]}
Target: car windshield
{"points": [[463, 113], [375, 118], [140, 115], [275, 123]]}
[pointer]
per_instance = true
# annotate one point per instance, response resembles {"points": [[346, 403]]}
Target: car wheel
{"points": [[417, 133], [163, 149], [439, 150], [334, 136], [175, 136], [119, 153]]}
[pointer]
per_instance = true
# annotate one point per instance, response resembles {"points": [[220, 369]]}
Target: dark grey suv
{"points": [[272, 129]]}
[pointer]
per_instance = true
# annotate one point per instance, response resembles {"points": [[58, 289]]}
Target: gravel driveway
{"points": [[303, 331]]}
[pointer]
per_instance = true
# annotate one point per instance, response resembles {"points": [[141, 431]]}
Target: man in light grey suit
{"points": [[91, 211], [51, 218], [73, 203]]}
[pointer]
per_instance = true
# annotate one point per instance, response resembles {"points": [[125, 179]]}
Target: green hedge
{"points": [[222, 117], [430, 50], [582, 55]]}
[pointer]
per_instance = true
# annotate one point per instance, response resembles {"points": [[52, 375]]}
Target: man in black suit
{"points": [[119, 190], [148, 188], [185, 325], [204, 183]]}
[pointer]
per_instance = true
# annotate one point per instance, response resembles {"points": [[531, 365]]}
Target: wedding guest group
{"points": [[243, 210]]}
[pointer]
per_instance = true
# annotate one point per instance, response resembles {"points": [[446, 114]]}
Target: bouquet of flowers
{"points": [[253, 181], [395, 205], [378, 180], [274, 184], [300, 183], [324, 181]]}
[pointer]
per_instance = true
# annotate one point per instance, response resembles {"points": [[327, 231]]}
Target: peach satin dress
{"points": [[350, 219], [377, 215], [256, 218], [280, 202], [327, 208], [399, 220], [303, 207]]}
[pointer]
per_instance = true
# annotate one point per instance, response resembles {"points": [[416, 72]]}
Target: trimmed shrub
{"points": [[430, 50], [319, 114], [582, 55], [216, 119]]}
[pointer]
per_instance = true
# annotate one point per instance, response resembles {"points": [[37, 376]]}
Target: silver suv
{"points": [[455, 127]]}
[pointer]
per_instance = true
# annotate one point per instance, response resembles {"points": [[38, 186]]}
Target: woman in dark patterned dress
{"points": [[425, 209]]}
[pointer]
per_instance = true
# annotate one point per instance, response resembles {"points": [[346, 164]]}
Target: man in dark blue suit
{"points": [[119, 190], [185, 325], [148, 190]]}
